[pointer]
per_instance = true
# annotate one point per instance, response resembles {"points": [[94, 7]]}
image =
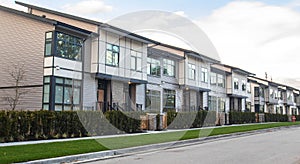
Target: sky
{"points": [[258, 36]]}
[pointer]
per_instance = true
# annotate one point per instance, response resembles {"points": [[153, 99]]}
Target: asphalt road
{"points": [[272, 147]]}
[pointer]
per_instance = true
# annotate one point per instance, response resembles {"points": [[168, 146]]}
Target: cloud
{"points": [[87, 7], [257, 37], [180, 13]]}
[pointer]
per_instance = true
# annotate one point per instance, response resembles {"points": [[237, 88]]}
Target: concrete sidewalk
{"points": [[111, 136], [88, 157]]}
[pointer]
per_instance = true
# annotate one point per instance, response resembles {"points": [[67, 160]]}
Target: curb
{"points": [[96, 156]]}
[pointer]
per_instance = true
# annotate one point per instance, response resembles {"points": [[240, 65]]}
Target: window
{"points": [[48, 43], [204, 75], [221, 104], [213, 78], [169, 67], [66, 93], [169, 99], [192, 71], [68, 46], [112, 55], [248, 88], [212, 103], [271, 93], [153, 100], [256, 92], [236, 84], [279, 95], [221, 80], [136, 61], [46, 93], [153, 67], [243, 85]]}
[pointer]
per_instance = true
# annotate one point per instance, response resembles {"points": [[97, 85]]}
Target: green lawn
{"points": [[49, 150]]}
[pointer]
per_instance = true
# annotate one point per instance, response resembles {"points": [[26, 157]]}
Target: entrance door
{"points": [[101, 99]]}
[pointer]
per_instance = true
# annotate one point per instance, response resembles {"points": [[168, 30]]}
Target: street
{"points": [[273, 147]]}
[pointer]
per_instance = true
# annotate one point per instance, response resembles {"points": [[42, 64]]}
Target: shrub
{"points": [[180, 120], [236, 117], [36, 125], [269, 117]]}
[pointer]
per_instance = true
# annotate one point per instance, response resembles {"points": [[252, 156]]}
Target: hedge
{"points": [[37, 125], [236, 117], [269, 117], [180, 120]]}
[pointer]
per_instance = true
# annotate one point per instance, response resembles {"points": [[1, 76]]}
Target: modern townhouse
{"points": [[82, 64], [297, 100], [26, 43], [163, 90], [218, 99], [258, 95], [72, 63], [268, 93], [178, 79], [195, 81], [233, 82], [272, 97]]}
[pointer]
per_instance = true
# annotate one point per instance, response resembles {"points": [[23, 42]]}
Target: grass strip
{"points": [[23, 153]]}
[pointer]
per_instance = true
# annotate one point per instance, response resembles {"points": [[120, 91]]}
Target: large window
{"points": [[221, 105], [112, 55], [153, 67], [192, 71], [204, 75], [169, 99], [169, 67], [212, 103], [66, 94], [65, 46], [221, 81], [136, 61], [213, 78], [153, 100], [68, 46], [243, 85], [235, 83]]}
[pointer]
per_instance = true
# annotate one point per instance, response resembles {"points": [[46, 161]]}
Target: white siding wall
{"points": [[125, 44], [199, 64]]}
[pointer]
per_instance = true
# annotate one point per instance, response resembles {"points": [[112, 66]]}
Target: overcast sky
{"points": [[258, 36]]}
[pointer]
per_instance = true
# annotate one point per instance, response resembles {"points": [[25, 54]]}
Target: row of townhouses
{"points": [[72, 63]]}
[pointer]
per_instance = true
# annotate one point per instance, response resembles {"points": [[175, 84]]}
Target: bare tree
{"points": [[17, 74]]}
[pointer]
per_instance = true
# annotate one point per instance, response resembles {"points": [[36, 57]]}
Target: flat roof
{"points": [[105, 26]]}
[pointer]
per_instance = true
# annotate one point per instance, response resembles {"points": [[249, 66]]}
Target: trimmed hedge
{"points": [[180, 120], [276, 117], [37, 125], [241, 117]]}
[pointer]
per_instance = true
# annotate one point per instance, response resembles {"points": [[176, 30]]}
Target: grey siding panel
{"points": [[22, 43]]}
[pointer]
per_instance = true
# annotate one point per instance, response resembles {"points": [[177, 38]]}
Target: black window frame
{"points": [[166, 64], [167, 95], [113, 53], [151, 64]]}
